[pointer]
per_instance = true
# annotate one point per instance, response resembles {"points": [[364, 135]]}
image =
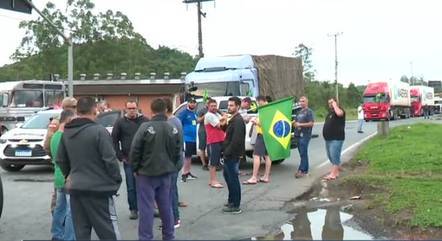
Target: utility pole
{"points": [[200, 32], [68, 40], [335, 35]]}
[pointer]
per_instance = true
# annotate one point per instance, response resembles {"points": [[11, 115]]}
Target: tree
{"points": [[404, 78], [103, 42], [305, 53]]}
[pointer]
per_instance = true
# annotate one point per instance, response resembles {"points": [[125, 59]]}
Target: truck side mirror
{"points": [[5, 99]]}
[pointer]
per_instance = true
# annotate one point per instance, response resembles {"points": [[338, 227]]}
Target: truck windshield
{"points": [[375, 99], [27, 98], [218, 89], [414, 98]]}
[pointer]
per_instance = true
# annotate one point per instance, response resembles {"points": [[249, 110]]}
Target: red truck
{"points": [[421, 96], [386, 100]]}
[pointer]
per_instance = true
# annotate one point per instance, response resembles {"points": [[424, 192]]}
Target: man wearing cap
{"points": [[68, 103], [188, 119]]}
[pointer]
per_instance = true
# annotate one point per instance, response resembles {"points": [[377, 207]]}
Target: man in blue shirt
{"points": [[188, 119]]}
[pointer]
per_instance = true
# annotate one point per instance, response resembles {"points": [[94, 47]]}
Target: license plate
{"points": [[23, 153]]}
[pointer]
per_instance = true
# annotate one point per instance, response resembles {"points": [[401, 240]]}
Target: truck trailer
{"points": [[387, 100], [422, 98], [247, 75]]}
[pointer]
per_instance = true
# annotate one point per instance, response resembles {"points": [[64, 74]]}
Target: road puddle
{"points": [[319, 224], [321, 215]]}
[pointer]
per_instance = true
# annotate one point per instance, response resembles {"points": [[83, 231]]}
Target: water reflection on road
{"points": [[319, 224]]}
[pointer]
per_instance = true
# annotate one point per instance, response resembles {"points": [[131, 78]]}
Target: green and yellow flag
{"points": [[276, 123]]}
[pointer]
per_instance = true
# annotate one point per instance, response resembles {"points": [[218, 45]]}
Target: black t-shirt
{"points": [[334, 127]]}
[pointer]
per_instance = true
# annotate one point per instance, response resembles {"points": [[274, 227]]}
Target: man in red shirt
{"points": [[215, 138]]}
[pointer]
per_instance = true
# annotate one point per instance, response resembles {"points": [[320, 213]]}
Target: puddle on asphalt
{"points": [[320, 224], [320, 216]]}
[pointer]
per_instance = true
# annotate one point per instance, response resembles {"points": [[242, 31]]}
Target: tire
{"points": [[277, 162], [11, 167], [1, 197]]}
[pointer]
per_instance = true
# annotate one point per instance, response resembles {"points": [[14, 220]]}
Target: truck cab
{"points": [[416, 102], [224, 76]]}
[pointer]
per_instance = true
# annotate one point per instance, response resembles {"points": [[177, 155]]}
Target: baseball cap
{"points": [[69, 102]]}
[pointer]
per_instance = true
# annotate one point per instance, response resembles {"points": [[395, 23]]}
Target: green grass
{"points": [[408, 166], [321, 113]]}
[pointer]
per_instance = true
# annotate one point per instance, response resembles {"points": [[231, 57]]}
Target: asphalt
{"points": [[27, 196]]}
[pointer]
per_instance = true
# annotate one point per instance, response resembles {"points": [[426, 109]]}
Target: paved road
{"points": [[26, 211]]}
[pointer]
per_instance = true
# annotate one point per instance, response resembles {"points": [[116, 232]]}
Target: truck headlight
{"points": [[3, 141]]}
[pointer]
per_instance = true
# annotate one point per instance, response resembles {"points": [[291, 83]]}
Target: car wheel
{"points": [[277, 162], [11, 167], [1, 197]]}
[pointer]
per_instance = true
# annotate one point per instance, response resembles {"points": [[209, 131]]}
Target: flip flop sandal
{"points": [[264, 181], [218, 185], [249, 183]]}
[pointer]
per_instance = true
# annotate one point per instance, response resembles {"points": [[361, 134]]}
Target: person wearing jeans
{"points": [[122, 136], [62, 227], [334, 135], [303, 125], [234, 148]]}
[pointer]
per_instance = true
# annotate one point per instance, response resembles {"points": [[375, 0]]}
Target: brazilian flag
{"points": [[276, 123]]}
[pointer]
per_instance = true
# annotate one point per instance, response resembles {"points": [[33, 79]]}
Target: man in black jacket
{"points": [[87, 158], [154, 157], [122, 135], [234, 148]]}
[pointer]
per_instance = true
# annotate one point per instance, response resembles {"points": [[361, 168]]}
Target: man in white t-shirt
{"points": [[360, 118]]}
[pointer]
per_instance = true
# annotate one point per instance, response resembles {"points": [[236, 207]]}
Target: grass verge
{"points": [[405, 168]]}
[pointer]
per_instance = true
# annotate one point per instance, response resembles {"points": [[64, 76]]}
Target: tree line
{"points": [[104, 42]]}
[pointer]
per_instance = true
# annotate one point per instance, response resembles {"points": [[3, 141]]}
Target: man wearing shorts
{"points": [[215, 139], [188, 119]]}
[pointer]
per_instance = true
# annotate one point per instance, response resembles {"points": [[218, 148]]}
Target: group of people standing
{"points": [[87, 174], [153, 152]]}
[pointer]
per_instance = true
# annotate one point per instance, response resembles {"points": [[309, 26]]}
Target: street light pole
{"points": [[335, 35], [67, 40]]}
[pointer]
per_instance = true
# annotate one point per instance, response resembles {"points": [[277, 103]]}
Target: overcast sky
{"points": [[381, 40]]}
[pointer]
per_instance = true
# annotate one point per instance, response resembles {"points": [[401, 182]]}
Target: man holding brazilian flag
{"points": [[276, 122]]}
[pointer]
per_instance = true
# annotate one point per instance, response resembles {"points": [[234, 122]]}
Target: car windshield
{"points": [[39, 121]]}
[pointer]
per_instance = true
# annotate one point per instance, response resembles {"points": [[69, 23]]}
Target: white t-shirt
{"points": [[212, 118], [360, 113]]}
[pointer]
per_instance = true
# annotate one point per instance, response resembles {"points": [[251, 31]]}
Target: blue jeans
{"points": [[62, 226], [174, 196], [231, 172], [360, 123], [303, 153], [334, 148], [131, 187]]}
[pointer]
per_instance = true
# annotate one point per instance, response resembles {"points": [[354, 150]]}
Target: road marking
{"points": [[349, 148]]}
